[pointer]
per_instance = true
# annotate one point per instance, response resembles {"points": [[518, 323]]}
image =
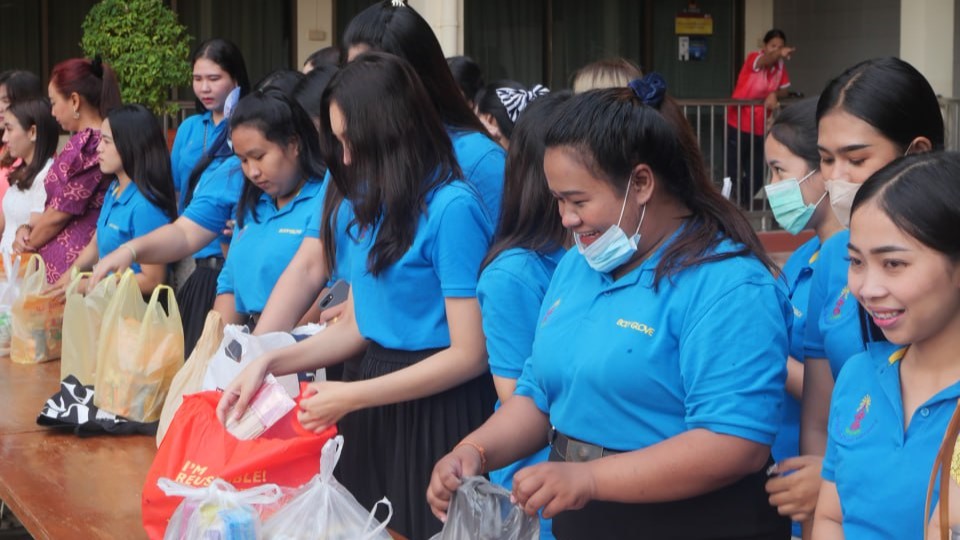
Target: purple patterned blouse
{"points": [[74, 186]]}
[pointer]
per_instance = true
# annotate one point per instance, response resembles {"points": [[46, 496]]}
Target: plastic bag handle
{"points": [[171, 298], [370, 519], [75, 279], [263, 494], [30, 276]]}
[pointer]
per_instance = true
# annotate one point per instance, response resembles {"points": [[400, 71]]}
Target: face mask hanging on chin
{"points": [[613, 247]]}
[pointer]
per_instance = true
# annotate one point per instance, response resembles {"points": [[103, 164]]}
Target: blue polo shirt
{"points": [[834, 331], [263, 248], [483, 162], [215, 200], [625, 366], [193, 137], [403, 308], [798, 274], [124, 216], [510, 292], [881, 470]]}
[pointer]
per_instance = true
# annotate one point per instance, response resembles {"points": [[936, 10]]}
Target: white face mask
{"points": [[613, 247], [842, 194]]}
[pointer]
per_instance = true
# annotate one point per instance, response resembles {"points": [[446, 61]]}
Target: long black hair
{"points": [[890, 95], [280, 120], [399, 147], [309, 91], [400, 30], [35, 112], [227, 55], [613, 130], [19, 85], [921, 195], [529, 218], [487, 101], [143, 152]]}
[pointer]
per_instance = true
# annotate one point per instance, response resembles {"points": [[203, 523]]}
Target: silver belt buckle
{"points": [[578, 452]]}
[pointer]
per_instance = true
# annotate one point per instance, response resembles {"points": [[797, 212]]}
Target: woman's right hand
{"points": [[447, 475], [21, 241], [115, 262], [237, 395]]}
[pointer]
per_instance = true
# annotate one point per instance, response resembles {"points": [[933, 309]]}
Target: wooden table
{"points": [[59, 485]]}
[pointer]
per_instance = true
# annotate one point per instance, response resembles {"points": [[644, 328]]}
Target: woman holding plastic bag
{"points": [[663, 393], [421, 234]]}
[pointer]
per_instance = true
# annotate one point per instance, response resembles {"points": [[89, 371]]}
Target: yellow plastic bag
{"points": [[82, 315], [189, 379], [37, 319], [140, 351]]}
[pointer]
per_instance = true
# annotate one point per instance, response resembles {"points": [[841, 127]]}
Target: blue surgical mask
{"points": [[613, 247], [789, 208]]}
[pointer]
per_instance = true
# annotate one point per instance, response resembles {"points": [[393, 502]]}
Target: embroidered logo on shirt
{"points": [[549, 312], [633, 325], [855, 429], [285, 230], [838, 307]]}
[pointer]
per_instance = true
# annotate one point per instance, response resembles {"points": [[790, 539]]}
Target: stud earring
{"points": [[76, 115]]}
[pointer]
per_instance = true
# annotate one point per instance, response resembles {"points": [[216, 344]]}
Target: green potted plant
{"points": [[145, 45]]}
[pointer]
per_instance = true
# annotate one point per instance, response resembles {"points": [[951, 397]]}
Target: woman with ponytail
{"points": [[82, 92], [660, 406]]}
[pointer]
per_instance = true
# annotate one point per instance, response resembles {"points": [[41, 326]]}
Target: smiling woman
{"points": [[892, 403]]}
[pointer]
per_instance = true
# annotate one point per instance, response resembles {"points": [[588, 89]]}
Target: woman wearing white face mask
{"points": [[867, 117], [662, 406], [791, 152]]}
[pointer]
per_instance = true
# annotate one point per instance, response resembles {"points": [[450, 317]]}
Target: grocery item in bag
{"points": [[217, 511], [37, 318], [82, 316], [140, 351], [483, 511], [268, 406]]}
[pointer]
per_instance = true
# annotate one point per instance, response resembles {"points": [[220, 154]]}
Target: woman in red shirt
{"points": [[763, 76]]}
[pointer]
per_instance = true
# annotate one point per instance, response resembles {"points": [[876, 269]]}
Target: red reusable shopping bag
{"points": [[197, 449]]}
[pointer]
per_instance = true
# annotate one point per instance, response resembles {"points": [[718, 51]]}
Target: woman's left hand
{"points": [[554, 487], [324, 403]]}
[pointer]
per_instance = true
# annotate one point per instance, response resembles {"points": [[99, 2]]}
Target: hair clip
{"points": [[515, 100], [651, 89], [96, 66], [398, 3]]}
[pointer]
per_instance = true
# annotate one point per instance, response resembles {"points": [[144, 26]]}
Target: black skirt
{"points": [[391, 450], [196, 299], [739, 511]]}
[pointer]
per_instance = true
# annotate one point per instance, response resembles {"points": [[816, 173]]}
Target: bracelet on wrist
{"points": [[479, 449], [133, 252]]}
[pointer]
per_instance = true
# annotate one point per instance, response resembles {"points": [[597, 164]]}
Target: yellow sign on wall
{"points": [[687, 24]]}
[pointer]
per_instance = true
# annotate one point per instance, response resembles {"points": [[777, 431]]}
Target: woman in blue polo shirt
{"points": [[798, 198], [141, 199], [398, 30], [873, 113], [663, 405], [416, 243], [278, 148], [891, 404], [529, 242]]}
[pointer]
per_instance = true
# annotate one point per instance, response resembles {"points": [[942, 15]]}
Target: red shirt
{"points": [[754, 83]]}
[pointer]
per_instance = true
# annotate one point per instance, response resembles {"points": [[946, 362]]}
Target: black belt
{"points": [[213, 262], [573, 450]]}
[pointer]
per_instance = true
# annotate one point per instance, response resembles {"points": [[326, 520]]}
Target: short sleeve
{"points": [[462, 237], [215, 199], [509, 307], [75, 177], [829, 467], [312, 229], [529, 386], [732, 366], [225, 279], [176, 158], [785, 78]]}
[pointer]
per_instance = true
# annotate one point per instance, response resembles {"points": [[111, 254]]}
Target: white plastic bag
{"points": [[217, 511], [9, 290], [238, 349], [483, 511], [323, 508]]}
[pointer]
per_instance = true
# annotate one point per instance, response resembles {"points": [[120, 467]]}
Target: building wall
{"points": [[927, 40], [314, 19], [832, 35], [757, 19]]}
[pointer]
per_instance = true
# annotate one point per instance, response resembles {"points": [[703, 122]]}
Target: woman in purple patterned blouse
{"points": [[82, 92]]}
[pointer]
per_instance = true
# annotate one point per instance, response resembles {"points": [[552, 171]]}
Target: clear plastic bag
{"points": [[217, 511], [323, 509], [483, 511]]}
